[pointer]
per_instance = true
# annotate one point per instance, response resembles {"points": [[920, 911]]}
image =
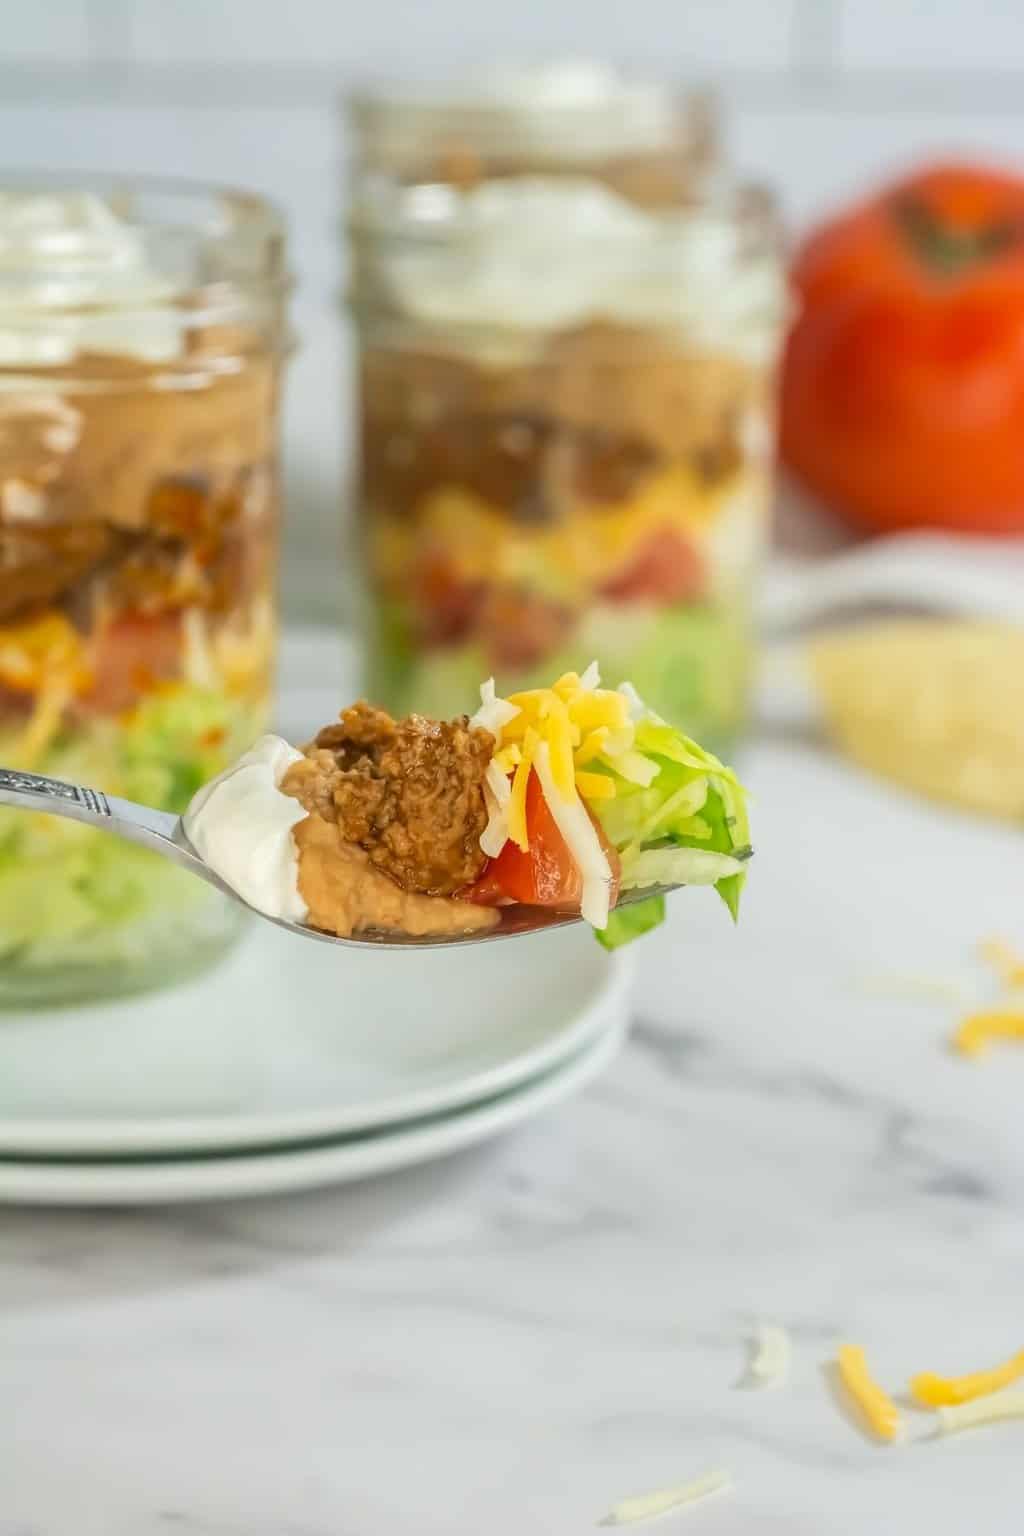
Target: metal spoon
{"points": [[164, 834]]}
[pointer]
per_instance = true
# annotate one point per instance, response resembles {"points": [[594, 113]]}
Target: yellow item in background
{"points": [[978, 1030], [1004, 961], [935, 705], [936, 1391], [878, 1409]]}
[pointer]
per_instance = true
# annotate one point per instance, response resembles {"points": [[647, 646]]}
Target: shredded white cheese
{"points": [[911, 986], [571, 819], [769, 1364], [983, 1410], [494, 712], [197, 663], [638, 710], [497, 794], [648, 1506]]}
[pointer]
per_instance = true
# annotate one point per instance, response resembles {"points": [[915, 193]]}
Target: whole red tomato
{"points": [[903, 380]]}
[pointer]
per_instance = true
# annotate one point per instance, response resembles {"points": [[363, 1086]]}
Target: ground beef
{"points": [[40, 563], [409, 792]]}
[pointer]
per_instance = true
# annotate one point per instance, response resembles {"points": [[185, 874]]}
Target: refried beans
{"points": [[396, 809]]}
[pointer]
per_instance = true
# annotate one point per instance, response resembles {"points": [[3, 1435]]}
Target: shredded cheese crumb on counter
{"points": [[910, 986], [977, 1032], [648, 1506], [769, 1364], [983, 1410], [1007, 964], [876, 1406], [936, 1391]]}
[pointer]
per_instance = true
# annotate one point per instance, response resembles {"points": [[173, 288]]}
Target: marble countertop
{"points": [[514, 1339]]}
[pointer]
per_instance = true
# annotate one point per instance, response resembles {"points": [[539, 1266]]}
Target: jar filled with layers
{"points": [[566, 385], [141, 337]]}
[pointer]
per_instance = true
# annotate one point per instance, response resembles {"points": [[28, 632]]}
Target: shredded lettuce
{"points": [[627, 923], [678, 866], [689, 826], [71, 896]]}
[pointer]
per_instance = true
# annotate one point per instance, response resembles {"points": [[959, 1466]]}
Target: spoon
{"points": [[163, 833]]}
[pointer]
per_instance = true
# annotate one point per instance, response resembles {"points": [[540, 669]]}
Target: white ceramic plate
{"points": [[232, 1175], [290, 1040]]}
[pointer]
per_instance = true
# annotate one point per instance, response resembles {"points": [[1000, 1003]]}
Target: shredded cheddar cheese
{"points": [[576, 722], [43, 725], [595, 786], [592, 745], [984, 1410], [578, 739], [43, 652], [648, 1506], [877, 1408], [559, 733], [1004, 961], [978, 1030], [517, 804], [508, 758], [584, 726], [936, 1391]]}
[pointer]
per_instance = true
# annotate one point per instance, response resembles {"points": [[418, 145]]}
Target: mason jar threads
{"points": [[142, 331], [571, 118]]}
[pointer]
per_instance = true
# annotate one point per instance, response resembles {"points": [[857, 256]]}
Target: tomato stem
{"points": [[945, 251]]}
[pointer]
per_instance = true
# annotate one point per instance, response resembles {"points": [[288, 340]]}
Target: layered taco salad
{"points": [[566, 398], [572, 797], [138, 508]]}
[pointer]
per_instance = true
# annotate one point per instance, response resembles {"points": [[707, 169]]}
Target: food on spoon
{"points": [[558, 797]]}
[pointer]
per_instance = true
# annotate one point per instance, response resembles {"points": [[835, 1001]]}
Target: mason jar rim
{"points": [[228, 240], [397, 118]]}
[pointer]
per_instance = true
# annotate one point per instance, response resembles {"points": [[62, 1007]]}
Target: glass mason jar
{"points": [[567, 119], [142, 328], [566, 402]]}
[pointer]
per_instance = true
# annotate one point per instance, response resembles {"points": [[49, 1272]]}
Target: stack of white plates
{"points": [[297, 1064]]}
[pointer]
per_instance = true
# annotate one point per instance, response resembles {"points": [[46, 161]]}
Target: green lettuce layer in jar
{"points": [[138, 517], [82, 912]]}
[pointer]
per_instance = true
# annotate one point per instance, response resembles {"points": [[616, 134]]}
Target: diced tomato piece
{"points": [[447, 604], [132, 656], [668, 569], [545, 875], [519, 628]]}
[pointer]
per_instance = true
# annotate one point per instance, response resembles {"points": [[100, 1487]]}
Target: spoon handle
{"points": [[158, 830]]}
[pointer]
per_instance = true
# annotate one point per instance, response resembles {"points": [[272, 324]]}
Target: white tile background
{"points": [[823, 96]]}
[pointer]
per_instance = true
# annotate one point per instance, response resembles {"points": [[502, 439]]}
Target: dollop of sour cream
{"points": [[547, 253], [74, 277], [241, 824]]}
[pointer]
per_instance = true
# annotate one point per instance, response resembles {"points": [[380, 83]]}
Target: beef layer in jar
{"points": [[601, 410], [115, 487], [408, 792]]}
